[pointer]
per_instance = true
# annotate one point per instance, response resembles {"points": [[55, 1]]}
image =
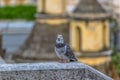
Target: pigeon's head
{"points": [[59, 39]]}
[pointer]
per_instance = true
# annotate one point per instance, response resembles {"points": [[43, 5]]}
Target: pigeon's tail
{"points": [[73, 60]]}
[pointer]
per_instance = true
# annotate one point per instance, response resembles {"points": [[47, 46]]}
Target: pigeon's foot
{"points": [[63, 61]]}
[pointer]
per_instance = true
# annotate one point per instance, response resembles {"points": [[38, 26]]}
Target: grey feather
{"points": [[65, 52], [70, 54]]}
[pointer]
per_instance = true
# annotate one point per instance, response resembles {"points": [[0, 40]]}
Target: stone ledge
{"points": [[50, 71], [40, 66]]}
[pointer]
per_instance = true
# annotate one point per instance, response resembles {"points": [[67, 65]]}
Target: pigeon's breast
{"points": [[61, 52]]}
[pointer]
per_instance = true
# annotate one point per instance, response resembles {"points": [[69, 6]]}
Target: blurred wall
{"points": [[17, 2]]}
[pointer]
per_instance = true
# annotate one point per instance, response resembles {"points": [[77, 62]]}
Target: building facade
{"points": [[17, 2]]}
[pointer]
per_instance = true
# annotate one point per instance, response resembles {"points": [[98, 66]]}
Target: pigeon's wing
{"points": [[70, 54]]}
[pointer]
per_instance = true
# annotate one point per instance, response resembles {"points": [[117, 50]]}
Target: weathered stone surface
{"points": [[50, 71]]}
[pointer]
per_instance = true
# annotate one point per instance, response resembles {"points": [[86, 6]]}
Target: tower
{"points": [[51, 11], [52, 6], [89, 27]]}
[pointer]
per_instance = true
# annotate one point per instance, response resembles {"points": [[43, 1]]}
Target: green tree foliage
{"points": [[116, 61], [18, 12]]}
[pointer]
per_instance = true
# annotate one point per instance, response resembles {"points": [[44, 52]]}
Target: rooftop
{"points": [[90, 9]]}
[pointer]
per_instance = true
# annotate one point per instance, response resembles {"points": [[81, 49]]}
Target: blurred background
{"points": [[28, 30]]}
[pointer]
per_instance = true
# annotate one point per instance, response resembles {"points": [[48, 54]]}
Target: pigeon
{"points": [[63, 51]]}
